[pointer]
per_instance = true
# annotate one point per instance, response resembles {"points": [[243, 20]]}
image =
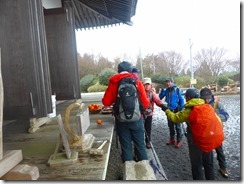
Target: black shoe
{"points": [[224, 173], [135, 158], [148, 145]]}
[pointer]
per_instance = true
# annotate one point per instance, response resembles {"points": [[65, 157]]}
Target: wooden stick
{"points": [[99, 150]]}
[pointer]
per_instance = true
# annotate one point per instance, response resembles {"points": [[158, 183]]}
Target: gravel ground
{"points": [[175, 161]]}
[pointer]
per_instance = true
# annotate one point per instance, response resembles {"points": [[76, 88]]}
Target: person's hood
{"points": [[194, 102], [117, 77]]}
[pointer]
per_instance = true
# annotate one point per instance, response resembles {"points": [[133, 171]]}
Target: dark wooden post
{"points": [[1, 111]]}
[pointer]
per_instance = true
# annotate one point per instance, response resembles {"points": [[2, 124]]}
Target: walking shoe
{"points": [[178, 144], [171, 141], [224, 173], [148, 145]]}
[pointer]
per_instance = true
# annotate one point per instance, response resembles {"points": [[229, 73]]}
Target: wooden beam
{"points": [[54, 11], [22, 172], [35, 123], [10, 159]]}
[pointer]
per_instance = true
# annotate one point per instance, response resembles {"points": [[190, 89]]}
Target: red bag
{"points": [[206, 127]]}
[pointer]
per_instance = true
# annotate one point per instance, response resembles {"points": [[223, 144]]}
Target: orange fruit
{"points": [[99, 121], [91, 107]]}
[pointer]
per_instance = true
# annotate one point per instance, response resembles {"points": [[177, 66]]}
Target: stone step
{"points": [[150, 169], [138, 171]]}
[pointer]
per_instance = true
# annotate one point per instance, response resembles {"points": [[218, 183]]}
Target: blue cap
{"points": [[169, 79]]}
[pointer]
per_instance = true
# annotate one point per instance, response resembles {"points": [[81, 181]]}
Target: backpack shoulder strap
{"points": [[178, 91], [215, 106]]}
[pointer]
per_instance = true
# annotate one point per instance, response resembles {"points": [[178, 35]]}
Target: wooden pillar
{"points": [[1, 111], [62, 53], [25, 67], [9, 159]]}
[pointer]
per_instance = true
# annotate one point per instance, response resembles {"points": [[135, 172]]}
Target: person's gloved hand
{"points": [[163, 107], [148, 111]]}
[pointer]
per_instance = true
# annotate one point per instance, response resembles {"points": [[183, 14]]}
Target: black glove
{"points": [[148, 111], [163, 107]]}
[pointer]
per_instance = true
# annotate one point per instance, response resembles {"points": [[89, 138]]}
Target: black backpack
{"points": [[127, 107]]}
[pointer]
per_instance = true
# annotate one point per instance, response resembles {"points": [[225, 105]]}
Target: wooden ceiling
{"points": [[101, 13]]}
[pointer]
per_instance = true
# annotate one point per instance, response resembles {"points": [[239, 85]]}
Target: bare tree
{"points": [[116, 63], [211, 61], [89, 64], [169, 63], [86, 64], [235, 65], [103, 63]]}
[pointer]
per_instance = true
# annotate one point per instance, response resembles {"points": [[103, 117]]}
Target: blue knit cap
{"points": [[134, 70], [192, 93], [124, 66]]}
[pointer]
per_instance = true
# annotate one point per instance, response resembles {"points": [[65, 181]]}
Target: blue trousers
{"points": [[200, 160], [221, 157], [175, 127], [132, 132]]}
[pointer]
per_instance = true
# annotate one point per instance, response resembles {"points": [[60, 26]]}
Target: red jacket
{"points": [[111, 92]]}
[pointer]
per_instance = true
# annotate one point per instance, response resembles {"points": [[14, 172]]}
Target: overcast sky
{"points": [[164, 25]]}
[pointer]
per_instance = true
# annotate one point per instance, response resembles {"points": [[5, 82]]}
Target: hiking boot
{"points": [[135, 159], [148, 145], [224, 173], [171, 141], [178, 144]]}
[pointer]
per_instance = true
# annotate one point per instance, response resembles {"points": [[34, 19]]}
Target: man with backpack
{"points": [[204, 133], [128, 97], [175, 102], [209, 98]]}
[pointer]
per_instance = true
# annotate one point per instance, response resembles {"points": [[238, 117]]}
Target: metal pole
{"points": [[154, 68], [192, 74], [142, 75]]}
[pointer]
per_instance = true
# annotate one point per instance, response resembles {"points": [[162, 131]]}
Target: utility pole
{"points": [[142, 75], [154, 68], [192, 74]]}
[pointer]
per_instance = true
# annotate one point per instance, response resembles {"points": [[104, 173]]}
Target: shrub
{"points": [[222, 80], [97, 88], [183, 81], [105, 74], [200, 82], [158, 78], [87, 81]]}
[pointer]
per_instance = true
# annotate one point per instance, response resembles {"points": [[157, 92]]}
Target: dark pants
{"points": [[148, 128], [175, 127], [128, 133], [221, 157], [200, 160]]}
